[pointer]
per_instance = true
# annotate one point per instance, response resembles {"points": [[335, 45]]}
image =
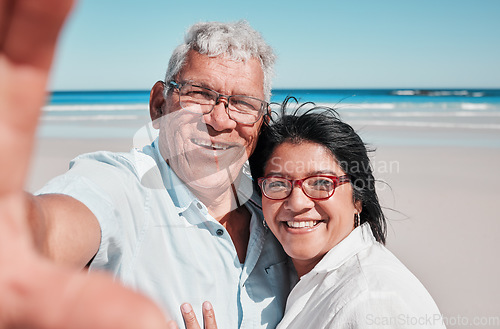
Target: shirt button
{"points": [[219, 232], [199, 205]]}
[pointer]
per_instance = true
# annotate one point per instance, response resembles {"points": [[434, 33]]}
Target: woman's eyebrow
{"points": [[323, 172], [308, 174], [276, 173]]}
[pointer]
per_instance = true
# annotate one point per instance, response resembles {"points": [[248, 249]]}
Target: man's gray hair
{"points": [[237, 40]]}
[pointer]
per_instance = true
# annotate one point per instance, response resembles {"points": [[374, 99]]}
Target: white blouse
{"points": [[360, 284]]}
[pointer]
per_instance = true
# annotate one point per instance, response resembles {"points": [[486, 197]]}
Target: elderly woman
{"points": [[319, 200]]}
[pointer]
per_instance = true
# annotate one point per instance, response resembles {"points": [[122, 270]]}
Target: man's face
{"points": [[207, 151]]}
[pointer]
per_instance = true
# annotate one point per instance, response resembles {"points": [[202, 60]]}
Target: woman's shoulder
{"points": [[378, 259], [375, 269], [375, 283], [375, 273], [362, 263]]}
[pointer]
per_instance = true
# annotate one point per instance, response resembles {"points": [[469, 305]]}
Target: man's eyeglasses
{"points": [[318, 187], [240, 108]]}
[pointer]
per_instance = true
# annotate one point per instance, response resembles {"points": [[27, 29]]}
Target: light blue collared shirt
{"points": [[159, 239]]}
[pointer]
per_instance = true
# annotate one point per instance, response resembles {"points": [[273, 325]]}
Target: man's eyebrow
{"points": [[202, 84], [209, 86], [198, 83]]}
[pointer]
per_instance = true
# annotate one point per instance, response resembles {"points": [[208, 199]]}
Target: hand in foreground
{"points": [[190, 317], [34, 293]]}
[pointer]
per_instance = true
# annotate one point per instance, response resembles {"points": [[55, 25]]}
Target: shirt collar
{"points": [[182, 196], [360, 238]]}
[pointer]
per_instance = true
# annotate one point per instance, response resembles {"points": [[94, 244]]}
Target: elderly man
{"points": [[177, 220]]}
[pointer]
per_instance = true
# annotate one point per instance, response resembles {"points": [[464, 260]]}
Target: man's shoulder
{"points": [[135, 162]]}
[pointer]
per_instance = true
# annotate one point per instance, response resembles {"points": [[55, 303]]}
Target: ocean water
{"points": [[461, 117]]}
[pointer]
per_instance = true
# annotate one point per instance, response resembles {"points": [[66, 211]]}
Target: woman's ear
{"points": [[157, 103], [358, 206], [357, 213]]}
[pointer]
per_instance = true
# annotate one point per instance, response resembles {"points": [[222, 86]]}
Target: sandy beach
{"points": [[443, 225], [446, 228]]}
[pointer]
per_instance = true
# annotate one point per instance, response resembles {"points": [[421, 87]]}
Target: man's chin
{"points": [[219, 160], [213, 184]]}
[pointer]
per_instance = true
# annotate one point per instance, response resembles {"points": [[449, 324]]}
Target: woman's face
{"points": [[322, 223]]}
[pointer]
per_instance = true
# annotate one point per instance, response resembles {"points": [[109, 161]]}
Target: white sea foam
{"points": [[91, 118], [338, 106], [419, 124], [475, 106], [96, 107], [360, 106], [436, 93], [434, 106], [422, 114]]}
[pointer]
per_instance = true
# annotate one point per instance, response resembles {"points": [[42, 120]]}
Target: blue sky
{"points": [[126, 44]]}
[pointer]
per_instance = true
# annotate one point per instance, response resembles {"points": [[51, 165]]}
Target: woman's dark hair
{"points": [[322, 125]]}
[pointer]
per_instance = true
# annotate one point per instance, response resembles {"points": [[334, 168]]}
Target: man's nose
{"points": [[219, 117]]}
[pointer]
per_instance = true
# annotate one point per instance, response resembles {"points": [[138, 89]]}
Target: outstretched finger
{"points": [[92, 301], [189, 317], [5, 16], [30, 33], [209, 316], [172, 325], [28, 36]]}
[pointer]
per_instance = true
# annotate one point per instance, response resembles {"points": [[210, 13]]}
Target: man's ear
{"points": [[157, 103], [267, 117]]}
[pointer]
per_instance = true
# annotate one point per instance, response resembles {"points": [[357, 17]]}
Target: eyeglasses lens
{"points": [[243, 109], [197, 99], [316, 187]]}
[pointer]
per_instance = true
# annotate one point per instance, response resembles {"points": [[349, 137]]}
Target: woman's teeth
{"points": [[302, 224]]}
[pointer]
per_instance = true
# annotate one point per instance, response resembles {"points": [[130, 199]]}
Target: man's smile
{"points": [[211, 145]]}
